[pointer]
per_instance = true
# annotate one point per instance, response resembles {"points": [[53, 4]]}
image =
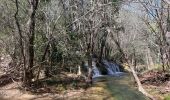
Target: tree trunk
{"points": [[22, 58], [151, 63], [103, 42], [168, 42], [101, 51], [89, 54], [162, 59], [140, 88], [30, 42], [42, 60], [79, 70]]}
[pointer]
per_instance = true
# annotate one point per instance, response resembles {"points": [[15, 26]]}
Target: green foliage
{"points": [[45, 1], [167, 97], [60, 87], [74, 83], [56, 55], [116, 5], [3, 35], [39, 46], [72, 35], [115, 0]]}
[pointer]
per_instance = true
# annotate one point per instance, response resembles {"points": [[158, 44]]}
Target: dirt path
{"points": [[11, 92]]}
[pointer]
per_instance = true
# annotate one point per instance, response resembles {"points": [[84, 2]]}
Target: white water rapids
{"points": [[112, 69]]}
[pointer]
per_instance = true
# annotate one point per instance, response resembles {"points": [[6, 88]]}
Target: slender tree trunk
{"points": [[162, 59], [151, 63], [79, 70], [103, 42], [30, 43], [20, 38], [168, 43], [89, 54], [140, 87], [62, 64], [101, 51], [42, 61]]}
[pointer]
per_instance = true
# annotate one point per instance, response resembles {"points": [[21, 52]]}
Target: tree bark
{"points": [[89, 54], [30, 43], [162, 59], [103, 42], [20, 37], [42, 60]]}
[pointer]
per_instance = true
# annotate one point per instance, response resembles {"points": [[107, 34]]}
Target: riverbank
{"points": [[103, 88], [157, 83]]}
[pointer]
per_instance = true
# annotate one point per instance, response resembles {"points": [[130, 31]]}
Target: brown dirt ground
{"points": [[157, 83], [12, 92]]}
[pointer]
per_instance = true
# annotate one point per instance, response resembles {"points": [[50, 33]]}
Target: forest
{"points": [[84, 49]]}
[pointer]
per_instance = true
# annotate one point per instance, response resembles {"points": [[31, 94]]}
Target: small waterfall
{"points": [[96, 71], [112, 68]]}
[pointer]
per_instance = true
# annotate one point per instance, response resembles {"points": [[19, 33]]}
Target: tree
{"points": [[29, 40], [158, 14]]}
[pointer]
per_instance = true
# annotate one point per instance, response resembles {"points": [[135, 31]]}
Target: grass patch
{"points": [[167, 97]]}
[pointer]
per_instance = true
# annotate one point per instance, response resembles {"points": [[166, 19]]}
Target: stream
{"points": [[116, 85], [112, 88]]}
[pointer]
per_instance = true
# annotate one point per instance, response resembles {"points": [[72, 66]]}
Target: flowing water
{"points": [[96, 72], [112, 69], [116, 85], [112, 88]]}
